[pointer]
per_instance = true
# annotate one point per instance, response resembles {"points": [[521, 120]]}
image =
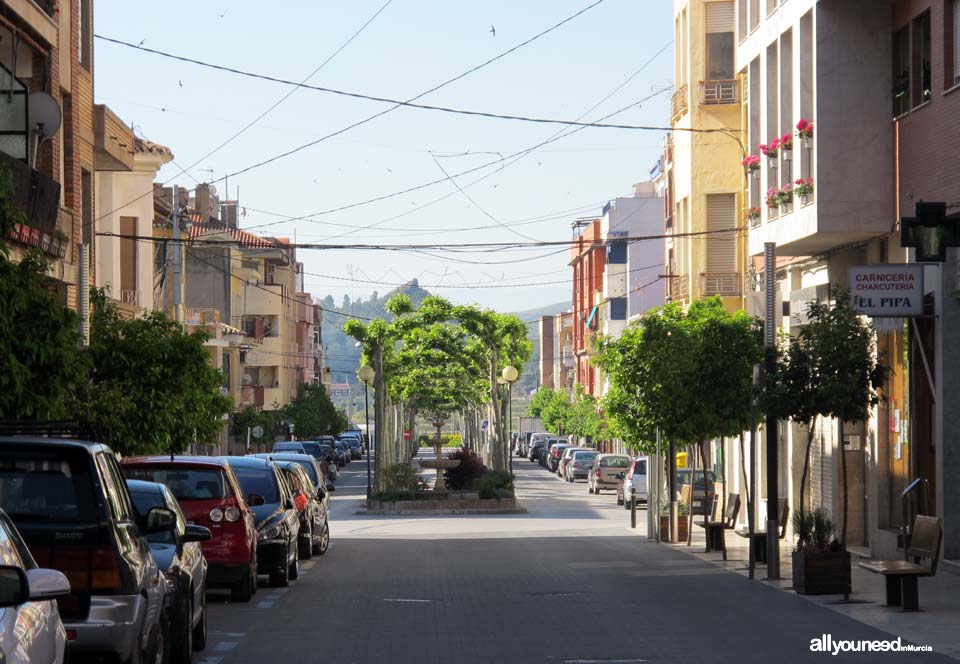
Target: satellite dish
{"points": [[44, 115]]}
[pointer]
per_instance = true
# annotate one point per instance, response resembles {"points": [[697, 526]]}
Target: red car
{"points": [[210, 496]]}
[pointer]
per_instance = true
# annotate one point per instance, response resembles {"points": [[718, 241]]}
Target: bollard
{"points": [[633, 510]]}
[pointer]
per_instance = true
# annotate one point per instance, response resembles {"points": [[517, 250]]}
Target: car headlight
{"points": [[273, 532]]}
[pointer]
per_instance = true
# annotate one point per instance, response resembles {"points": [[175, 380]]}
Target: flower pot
{"points": [[807, 142], [35, 235], [681, 528], [46, 243], [804, 199], [821, 572], [787, 155], [14, 232]]}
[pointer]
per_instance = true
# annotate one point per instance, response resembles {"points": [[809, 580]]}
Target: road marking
{"points": [[307, 565], [611, 564], [209, 660], [264, 605], [602, 661], [679, 572], [415, 601], [225, 646], [233, 635]]}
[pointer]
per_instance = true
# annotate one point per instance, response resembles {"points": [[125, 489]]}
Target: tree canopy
{"points": [[313, 414]]}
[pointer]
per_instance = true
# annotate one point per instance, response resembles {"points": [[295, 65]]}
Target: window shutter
{"points": [[956, 42], [721, 247], [720, 16]]}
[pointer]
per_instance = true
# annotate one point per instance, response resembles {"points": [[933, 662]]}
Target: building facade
{"points": [[587, 258]]}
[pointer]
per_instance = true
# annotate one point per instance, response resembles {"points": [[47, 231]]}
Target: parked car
{"points": [[30, 625], [533, 449], [210, 495], [289, 446], [556, 453], [700, 488], [578, 467], [70, 503], [534, 443], [605, 472], [275, 515], [311, 447], [178, 555], [311, 508], [355, 446], [343, 452], [634, 485], [565, 460]]}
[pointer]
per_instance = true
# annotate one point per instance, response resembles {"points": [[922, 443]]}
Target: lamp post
{"points": [[510, 375], [366, 375]]}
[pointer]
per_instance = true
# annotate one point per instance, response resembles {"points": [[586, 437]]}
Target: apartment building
{"points": [[46, 67], [705, 256], [126, 167], [587, 258]]}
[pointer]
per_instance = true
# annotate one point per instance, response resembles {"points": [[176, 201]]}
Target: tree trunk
{"points": [[806, 464], [497, 458], [379, 417], [672, 484], [843, 484], [748, 498]]}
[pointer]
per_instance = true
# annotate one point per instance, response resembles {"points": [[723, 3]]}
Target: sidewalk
{"points": [[936, 624]]}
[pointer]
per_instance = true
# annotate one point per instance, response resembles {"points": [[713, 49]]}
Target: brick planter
{"points": [[821, 572], [681, 527]]}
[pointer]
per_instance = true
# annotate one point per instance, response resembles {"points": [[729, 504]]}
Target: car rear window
{"points": [[583, 456], [260, 481], [185, 483], [37, 485], [614, 462], [289, 447], [640, 467], [309, 468]]}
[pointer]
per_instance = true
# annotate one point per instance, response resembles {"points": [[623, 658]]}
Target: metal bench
{"points": [[715, 528], [760, 531], [901, 575]]}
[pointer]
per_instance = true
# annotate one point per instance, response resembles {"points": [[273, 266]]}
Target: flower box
{"points": [[681, 528], [46, 243], [14, 232], [821, 572], [35, 236], [770, 151], [805, 132]]}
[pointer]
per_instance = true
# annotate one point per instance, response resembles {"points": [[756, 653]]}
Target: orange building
{"points": [[587, 258]]}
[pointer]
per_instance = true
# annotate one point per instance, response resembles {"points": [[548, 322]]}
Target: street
{"points": [[566, 583]]}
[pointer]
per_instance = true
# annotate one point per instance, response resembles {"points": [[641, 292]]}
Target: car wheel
{"points": [[295, 569], [280, 579], [200, 631], [158, 643], [183, 652], [324, 540], [305, 547], [619, 498], [244, 587]]}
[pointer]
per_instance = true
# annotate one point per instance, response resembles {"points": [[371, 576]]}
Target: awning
{"points": [[593, 312]]}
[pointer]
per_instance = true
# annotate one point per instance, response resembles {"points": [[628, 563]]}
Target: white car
{"points": [[30, 625], [634, 488]]}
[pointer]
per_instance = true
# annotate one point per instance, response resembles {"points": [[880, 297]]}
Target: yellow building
{"points": [[703, 169]]}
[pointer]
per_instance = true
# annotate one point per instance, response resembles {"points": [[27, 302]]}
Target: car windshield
{"points": [[614, 462], [185, 483], [260, 481], [144, 501], [38, 486]]}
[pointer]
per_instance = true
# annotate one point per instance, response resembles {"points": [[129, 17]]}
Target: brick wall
{"points": [[929, 134]]}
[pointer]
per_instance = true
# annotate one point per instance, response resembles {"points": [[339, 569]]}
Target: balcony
{"points": [[723, 91], [679, 287], [252, 395], [678, 103], [131, 297], [49, 7], [33, 193], [252, 326], [725, 284], [567, 356]]}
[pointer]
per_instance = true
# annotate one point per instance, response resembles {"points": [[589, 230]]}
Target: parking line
{"points": [[209, 660], [264, 605], [225, 646]]}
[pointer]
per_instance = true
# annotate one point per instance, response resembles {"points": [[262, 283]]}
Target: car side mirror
{"points": [[197, 534], [255, 500], [289, 505], [46, 584], [159, 520], [14, 587], [321, 494], [331, 488]]}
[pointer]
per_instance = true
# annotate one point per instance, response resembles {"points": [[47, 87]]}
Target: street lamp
{"points": [[366, 375], [510, 375]]}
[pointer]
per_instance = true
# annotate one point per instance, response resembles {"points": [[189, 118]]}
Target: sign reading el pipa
{"points": [[887, 290]]}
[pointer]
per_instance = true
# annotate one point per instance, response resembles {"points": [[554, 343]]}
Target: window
{"points": [[951, 43], [719, 63], [84, 50], [922, 81], [616, 253], [86, 205], [13, 116], [34, 485], [186, 483], [618, 308], [901, 72]]}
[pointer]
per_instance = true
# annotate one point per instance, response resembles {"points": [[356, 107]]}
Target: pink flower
{"points": [[786, 141], [802, 124]]}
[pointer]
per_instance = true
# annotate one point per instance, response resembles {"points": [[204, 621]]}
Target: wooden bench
{"points": [[715, 528], [705, 508], [901, 575], [760, 531]]}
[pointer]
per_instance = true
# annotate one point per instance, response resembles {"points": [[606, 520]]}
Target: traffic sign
{"points": [[485, 425]]}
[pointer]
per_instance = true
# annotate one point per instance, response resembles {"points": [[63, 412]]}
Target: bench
{"points": [[705, 508], [715, 528], [901, 575], [760, 531]]}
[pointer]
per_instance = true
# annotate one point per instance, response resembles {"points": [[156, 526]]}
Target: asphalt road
{"points": [[567, 583]]}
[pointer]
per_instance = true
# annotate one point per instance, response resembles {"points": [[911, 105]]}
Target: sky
{"points": [[410, 47]]}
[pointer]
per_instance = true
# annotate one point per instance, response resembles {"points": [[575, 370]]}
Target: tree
{"points": [[150, 387], [39, 338], [313, 414]]}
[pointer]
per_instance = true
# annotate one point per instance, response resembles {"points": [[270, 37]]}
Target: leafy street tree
{"points": [[150, 387], [39, 338], [579, 416], [313, 414]]}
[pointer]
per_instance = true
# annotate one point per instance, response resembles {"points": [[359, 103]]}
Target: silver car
{"points": [[605, 472]]}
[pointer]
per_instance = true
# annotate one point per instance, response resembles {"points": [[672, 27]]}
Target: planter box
{"points": [[681, 527], [821, 572]]}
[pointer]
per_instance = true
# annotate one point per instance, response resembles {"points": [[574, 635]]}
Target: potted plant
{"points": [[46, 243], [60, 241], [682, 513], [752, 214], [805, 132], [773, 198], [751, 165], [803, 187], [786, 144], [786, 196], [14, 232], [770, 151], [821, 566]]}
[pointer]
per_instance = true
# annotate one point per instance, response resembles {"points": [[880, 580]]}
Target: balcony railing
{"points": [[726, 284], [49, 7], [678, 102], [130, 297], [36, 194], [567, 356], [252, 327], [252, 395], [722, 91], [679, 287]]}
